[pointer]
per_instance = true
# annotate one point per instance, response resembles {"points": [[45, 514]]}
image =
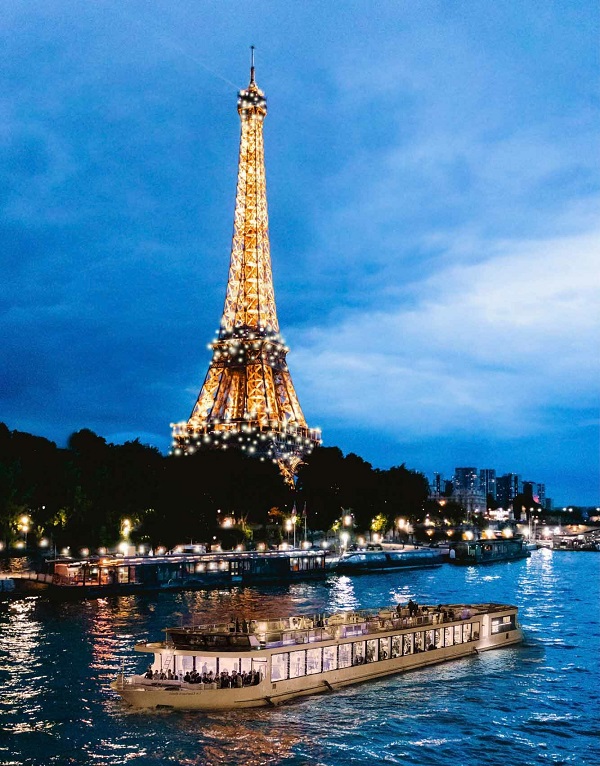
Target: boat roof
{"points": [[243, 627], [116, 559]]}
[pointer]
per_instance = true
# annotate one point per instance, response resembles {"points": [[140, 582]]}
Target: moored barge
{"points": [[488, 551], [364, 561], [101, 575], [267, 662]]}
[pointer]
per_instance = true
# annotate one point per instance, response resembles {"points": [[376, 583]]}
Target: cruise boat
{"points": [[267, 662], [488, 551], [360, 561]]}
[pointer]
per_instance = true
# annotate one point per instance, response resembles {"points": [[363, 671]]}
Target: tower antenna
{"points": [[252, 81]]}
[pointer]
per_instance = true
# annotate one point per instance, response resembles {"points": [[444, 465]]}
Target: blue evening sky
{"points": [[433, 184]]}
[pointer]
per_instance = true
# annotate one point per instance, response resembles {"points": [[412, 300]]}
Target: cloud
{"points": [[493, 347]]}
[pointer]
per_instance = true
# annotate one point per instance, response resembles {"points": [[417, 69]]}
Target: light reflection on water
{"points": [[525, 705]]}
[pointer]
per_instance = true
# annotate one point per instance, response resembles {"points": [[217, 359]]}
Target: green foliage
{"points": [[328, 482], [380, 523], [79, 496]]}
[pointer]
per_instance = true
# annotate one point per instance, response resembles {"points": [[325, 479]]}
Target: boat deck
{"points": [[303, 629]]}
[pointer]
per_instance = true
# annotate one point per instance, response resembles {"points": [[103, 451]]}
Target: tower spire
{"points": [[252, 80], [248, 399]]}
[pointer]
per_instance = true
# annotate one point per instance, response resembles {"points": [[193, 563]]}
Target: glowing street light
{"points": [[23, 526], [125, 528]]}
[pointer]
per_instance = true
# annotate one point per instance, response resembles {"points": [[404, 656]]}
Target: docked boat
{"points": [[488, 551], [179, 570], [267, 662], [361, 561]]}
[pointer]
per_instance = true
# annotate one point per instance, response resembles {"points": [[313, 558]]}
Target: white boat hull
{"points": [[156, 694]]}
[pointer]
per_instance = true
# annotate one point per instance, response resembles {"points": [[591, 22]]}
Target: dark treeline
{"points": [[81, 495]]}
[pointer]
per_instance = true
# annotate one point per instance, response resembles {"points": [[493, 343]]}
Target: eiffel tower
{"points": [[248, 399]]}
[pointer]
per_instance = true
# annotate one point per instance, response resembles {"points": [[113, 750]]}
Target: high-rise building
{"points": [[536, 490], [508, 487], [466, 480], [437, 486], [487, 482], [248, 399], [466, 489]]}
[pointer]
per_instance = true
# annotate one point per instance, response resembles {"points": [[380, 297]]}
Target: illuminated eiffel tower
{"points": [[248, 398]]}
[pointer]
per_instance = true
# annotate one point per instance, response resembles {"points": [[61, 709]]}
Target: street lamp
{"points": [[294, 519], [24, 522]]}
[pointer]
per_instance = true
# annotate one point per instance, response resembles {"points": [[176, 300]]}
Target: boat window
{"points": [[358, 652], [475, 632], [384, 648], [429, 642], [396, 646], [186, 662], [502, 624], [314, 659], [297, 664], [206, 664], [279, 666], [345, 655], [458, 634], [419, 641], [238, 641], [245, 665], [229, 664], [467, 631], [329, 658], [407, 643], [448, 636], [371, 654], [438, 638]]}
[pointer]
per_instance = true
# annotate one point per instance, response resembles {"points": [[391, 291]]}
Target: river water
{"points": [[538, 703]]}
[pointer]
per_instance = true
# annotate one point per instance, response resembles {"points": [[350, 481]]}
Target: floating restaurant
{"points": [[266, 662]]}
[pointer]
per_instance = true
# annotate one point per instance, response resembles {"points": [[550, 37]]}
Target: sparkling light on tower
{"points": [[248, 399]]}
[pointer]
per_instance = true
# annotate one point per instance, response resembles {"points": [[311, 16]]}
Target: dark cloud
{"points": [[409, 146]]}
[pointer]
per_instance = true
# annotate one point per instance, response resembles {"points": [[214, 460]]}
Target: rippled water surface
{"points": [[534, 704]]}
